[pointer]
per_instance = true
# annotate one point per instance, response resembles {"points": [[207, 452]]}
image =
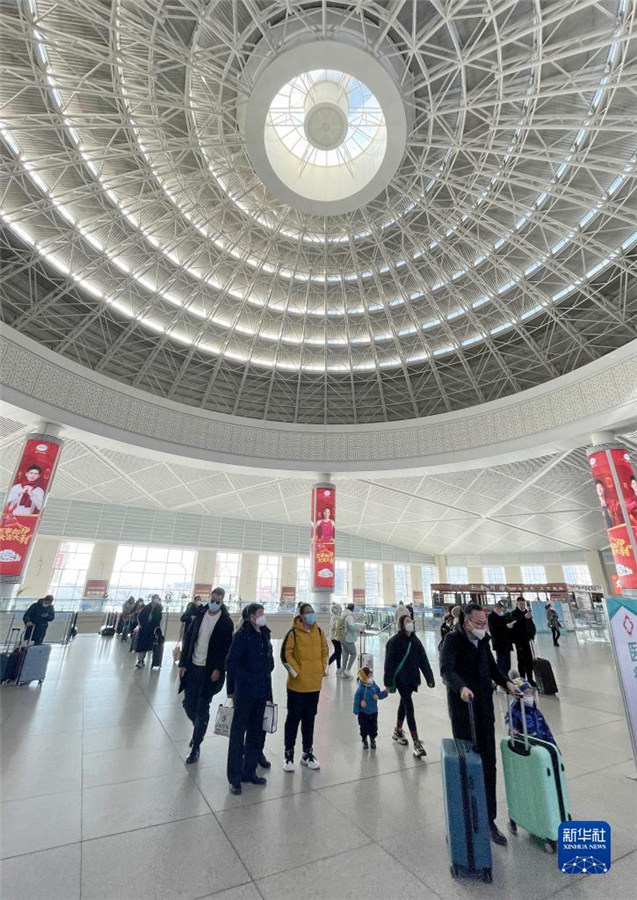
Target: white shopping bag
{"points": [[223, 721], [270, 717]]}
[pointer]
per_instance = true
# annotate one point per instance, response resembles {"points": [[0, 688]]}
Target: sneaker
{"points": [[347, 675], [138, 664], [399, 737], [309, 760], [288, 765], [372, 743], [365, 744], [419, 750]]}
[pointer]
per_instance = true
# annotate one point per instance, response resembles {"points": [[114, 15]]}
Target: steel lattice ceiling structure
{"points": [[139, 241]]}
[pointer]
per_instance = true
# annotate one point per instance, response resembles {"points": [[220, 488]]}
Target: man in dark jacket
{"points": [[500, 637], [250, 663], [202, 664], [523, 630], [468, 669], [36, 619], [264, 762]]}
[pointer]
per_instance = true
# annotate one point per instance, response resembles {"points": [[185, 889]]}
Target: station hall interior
{"points": [[324, 303]]}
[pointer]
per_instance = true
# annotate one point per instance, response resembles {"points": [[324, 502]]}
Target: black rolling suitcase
{"points": [[158, 650], [9, 664], [543, 672], [109, 626]]}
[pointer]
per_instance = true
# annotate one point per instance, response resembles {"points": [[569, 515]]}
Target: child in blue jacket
{"points": [[366, 706], [536, 724]]}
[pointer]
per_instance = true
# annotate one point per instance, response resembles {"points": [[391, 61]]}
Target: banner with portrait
{"points": [[323, 541], [616, 489]]}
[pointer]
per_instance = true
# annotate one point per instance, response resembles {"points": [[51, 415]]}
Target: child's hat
{"points": [[522, 684], [364, 673]]}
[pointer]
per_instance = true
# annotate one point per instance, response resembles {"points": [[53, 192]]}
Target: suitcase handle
{"points": [[475, 819], [525, 734], [472, 723]]}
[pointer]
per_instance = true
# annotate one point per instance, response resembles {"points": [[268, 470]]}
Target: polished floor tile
{"points": [[39, 823], [47, 875]]}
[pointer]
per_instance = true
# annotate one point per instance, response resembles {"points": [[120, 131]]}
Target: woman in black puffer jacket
{"points": [[405, 659]]}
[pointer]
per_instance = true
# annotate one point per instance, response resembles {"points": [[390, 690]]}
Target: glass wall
{"points": [[493, 574], [227, 572], [578, 574], [343, 581], [372, 584], [70, 570], [143, 571], [269, 581], [303, 581], [402, 583], [533, 574], [429, 577], [457, 575]]}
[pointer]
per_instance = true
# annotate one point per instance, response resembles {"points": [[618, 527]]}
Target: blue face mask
{"points": [[214, 605], [310, 618]]}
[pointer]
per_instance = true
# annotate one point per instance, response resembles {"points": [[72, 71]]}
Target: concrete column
{"points": [[598, 571], [102, 561], [288, 571], [205, 567], [554, 572], [248, 577], [513, 574], [474, 574], [441, 565], [416, 578], [388, 584], [358, 574], [39, 571]]}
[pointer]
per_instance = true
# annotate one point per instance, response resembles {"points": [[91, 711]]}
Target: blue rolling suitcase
{"points": [[466, 807]]}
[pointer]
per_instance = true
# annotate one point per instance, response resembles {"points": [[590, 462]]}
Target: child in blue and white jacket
{"points": [[366, 707], [536, 724]]}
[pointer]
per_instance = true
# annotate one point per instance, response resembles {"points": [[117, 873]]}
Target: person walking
{"points": [[350, 632], [148, 621], [553, 623], [468, 671], [500, 637], [523, 629], [250, 664], [202, 664], [405, 659], [446, 626], [305, 655], [189, 613], [36, 619], [133, 623], [366, 707], [127, 611], [336, 633]]}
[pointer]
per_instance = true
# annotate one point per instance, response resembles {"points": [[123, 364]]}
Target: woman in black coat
{"points": [[148, 621], [405, 659]]}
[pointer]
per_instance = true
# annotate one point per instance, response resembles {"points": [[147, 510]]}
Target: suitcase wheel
{"points": [[487, 876], [513, 826], [550, 846]]}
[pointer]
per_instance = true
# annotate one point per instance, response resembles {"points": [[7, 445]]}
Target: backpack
{"points": [[285, 640], [338, 632]]}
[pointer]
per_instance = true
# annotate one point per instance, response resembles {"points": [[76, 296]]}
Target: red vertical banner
{"points": [[323, 541], [616, 489], [24, 504]]}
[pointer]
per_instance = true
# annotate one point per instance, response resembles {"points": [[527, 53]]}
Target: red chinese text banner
{"points": [[96, 588], [24, 504], [323, 543], [616, 489]]}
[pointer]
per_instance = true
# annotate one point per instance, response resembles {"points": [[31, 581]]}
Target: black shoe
{"points": [[496, 835], [193, 756], [191, 742], [365, 744], [236, 789], [254, 779], [372, 743], [532, 683], [264, 762]]}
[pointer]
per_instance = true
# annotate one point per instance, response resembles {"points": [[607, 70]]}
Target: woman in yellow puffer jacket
{"points": [[305, 652]]}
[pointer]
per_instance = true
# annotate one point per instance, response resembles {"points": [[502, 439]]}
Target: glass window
{"points": [[303, 576], [342, 581], [533, 574], [143, 571], [578, 574], [269, 581], [457, 575], [493, 574], [227, 571], [428, 578], [372, 584], [402, 583], [70, 570]]}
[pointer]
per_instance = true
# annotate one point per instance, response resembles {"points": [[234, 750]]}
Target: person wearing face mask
{"points": [[523, 630], [202, 664], [468, 670], [536, 724], [366, 707], [351, 631], [405, 659], [304, 654], [249, 664], [500, 637], [36, 619], [189, 613], [148, 621]]}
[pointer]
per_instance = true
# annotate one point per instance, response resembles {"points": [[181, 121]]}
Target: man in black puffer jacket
{"points": [[250, 663]]}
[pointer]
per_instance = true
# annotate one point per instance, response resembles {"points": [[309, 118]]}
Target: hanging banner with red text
{"points": [[24, 504], [323, 545], [616, 490]]}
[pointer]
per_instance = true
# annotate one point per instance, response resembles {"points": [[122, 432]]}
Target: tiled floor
{"points": [[98, 804]]}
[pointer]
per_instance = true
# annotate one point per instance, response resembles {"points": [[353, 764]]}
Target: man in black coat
{"points": [[523, 630], [36, 619], [264, 762], [250, 663], [468, 669], [202, 664], [501, 641]]}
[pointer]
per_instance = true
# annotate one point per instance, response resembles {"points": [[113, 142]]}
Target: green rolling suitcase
{"points": [[535, 786]]}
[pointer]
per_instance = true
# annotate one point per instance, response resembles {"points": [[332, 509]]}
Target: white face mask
{"points": [[409, 627], [528, 701], [478, 633], [260, 621]]}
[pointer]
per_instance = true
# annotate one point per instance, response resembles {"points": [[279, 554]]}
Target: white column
{"points": [[358, 576], [40, 568], [388, 584], [598, 571], [205, 567], [102, 561], [248, 577], [288, 571], [441, 565]]}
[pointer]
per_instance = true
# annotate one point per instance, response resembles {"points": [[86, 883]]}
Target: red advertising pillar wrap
{"points": [[323, 541], [616, 489], [24, 503]]}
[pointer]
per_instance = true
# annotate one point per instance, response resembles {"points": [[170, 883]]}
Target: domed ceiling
{"points": [[321, 212]]}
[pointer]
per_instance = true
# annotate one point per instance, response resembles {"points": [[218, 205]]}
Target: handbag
{"points": [[223, 720], [176, 652], [270, 717], [392, 688]]}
